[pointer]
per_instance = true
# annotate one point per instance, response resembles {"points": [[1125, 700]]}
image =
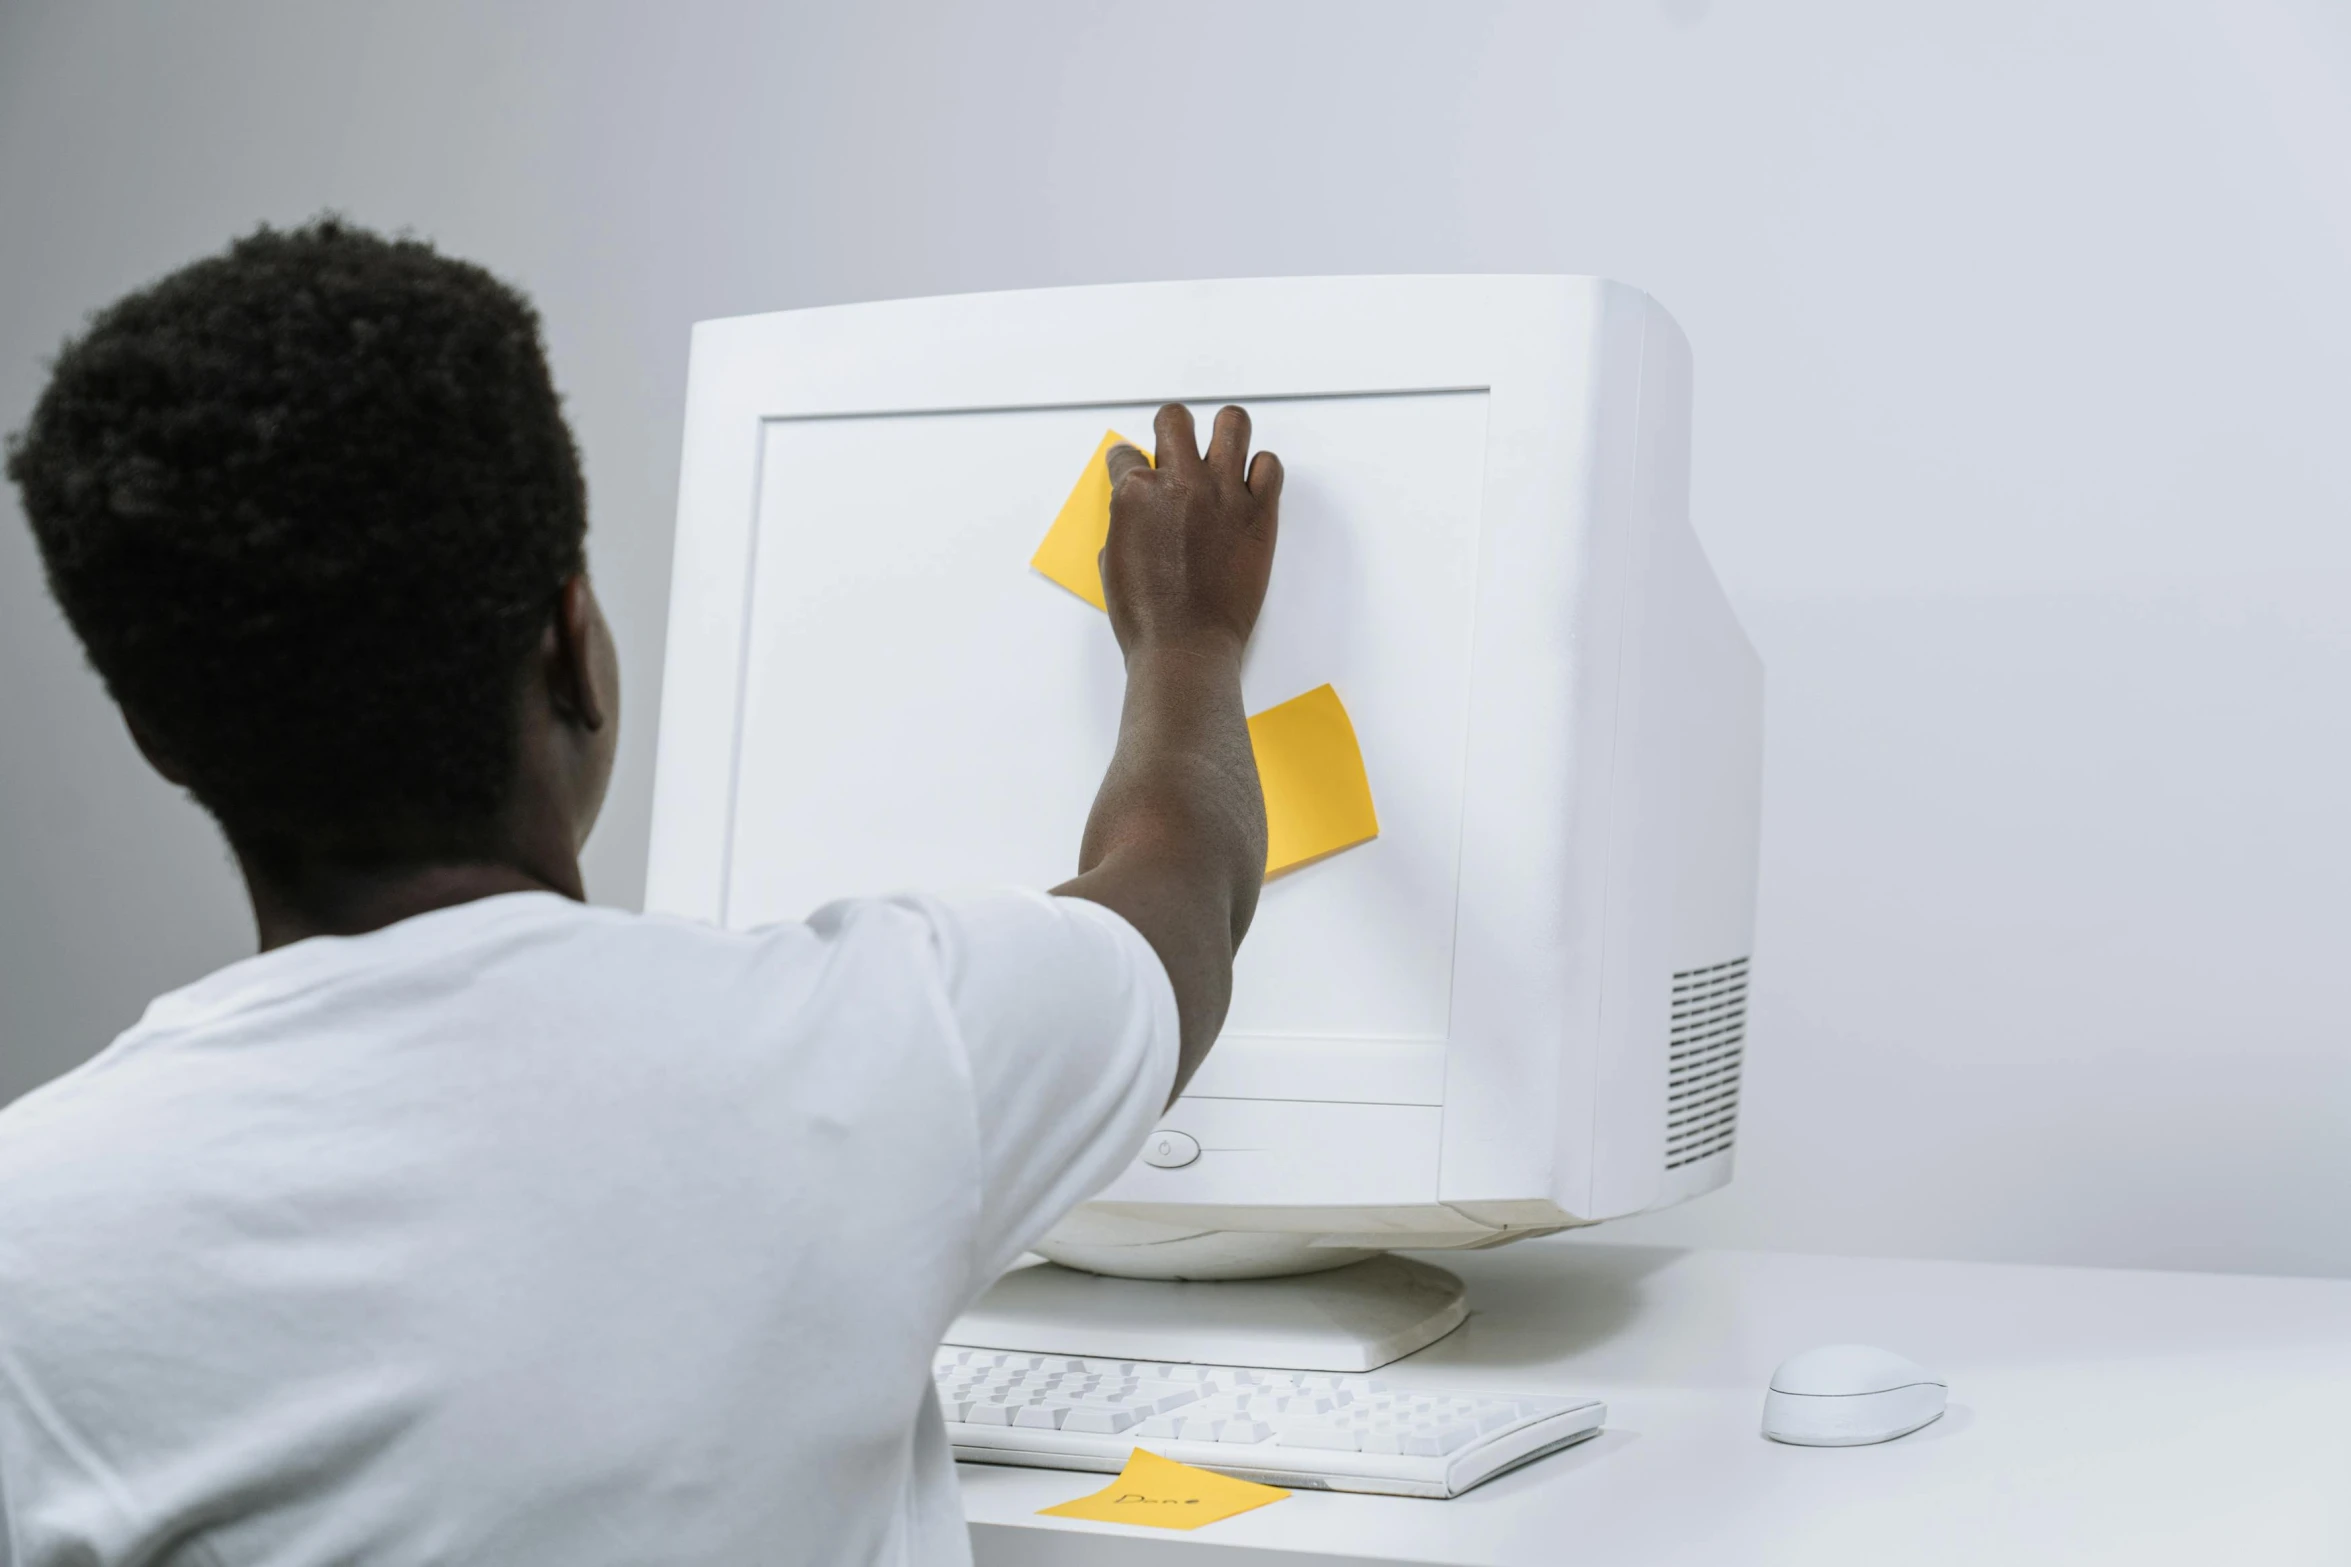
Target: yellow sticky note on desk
{"points": [[1072, 552], [1317, 799], [1160, 1493]]}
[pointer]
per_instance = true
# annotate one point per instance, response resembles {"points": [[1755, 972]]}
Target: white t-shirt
{"points": [[530, 1233]]}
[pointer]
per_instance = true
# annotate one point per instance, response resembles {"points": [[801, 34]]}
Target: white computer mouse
{"points": [[1849, 1395]]}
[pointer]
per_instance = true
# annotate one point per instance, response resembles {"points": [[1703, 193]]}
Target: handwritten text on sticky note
{"points": [[1160, 1493], [1317, 799], [1072, 552]]}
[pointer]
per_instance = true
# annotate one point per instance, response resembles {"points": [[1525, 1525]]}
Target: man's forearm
{"points": [[1183, 756], [1180, 821]]}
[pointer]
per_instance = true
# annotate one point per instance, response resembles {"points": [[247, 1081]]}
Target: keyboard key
{"points": [[1243, 1431], [1102, 1422], [1041, 1417], [988, 1415], [1159, 1427], [1433, 1441]]}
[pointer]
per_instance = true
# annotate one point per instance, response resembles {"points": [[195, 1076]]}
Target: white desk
{"points": [[2096, 1416]]}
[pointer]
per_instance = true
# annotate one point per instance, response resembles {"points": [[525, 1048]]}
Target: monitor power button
{"points": [[1170, 1150]]}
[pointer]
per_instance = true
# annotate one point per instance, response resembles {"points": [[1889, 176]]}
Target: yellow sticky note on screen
{"points": [[1160, 1493], [1317, 799], [1072, 552]]}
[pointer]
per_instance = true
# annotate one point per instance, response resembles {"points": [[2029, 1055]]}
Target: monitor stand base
{"points": [[1355, 1318]]}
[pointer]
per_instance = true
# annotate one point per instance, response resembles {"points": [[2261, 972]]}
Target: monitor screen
{"points": [[922, 710]]}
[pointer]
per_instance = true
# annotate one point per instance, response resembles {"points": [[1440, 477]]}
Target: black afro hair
{"points": [[308, 505]]}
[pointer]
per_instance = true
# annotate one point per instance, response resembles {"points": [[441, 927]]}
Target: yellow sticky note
{"points": [[1317, 799], [1072, 552], [1160, 1493]]}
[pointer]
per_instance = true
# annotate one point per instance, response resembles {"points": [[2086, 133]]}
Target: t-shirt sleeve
{"points": [[1069, 1024]]}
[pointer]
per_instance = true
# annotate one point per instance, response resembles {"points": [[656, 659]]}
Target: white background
{"points": [[2024, 374]]}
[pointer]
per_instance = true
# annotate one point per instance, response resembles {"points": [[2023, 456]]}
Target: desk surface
{"points": [[2096, 1415]]}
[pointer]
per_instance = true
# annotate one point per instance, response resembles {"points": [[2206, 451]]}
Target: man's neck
{"points": [[292, 905]]}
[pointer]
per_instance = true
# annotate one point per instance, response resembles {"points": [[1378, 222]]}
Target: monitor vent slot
{"points": [[1708, 1038]]}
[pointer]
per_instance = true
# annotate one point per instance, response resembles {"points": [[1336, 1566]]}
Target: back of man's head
{"points": [[308, 505]]}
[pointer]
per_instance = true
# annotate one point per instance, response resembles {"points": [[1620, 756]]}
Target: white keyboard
{"points": [[1302, 1429]]}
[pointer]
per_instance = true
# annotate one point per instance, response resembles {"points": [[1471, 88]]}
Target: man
{"points": [[466, 1222]]}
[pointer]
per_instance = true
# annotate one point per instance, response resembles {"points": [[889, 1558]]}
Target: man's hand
{"points": [[1176, 842], [1191, 540]]}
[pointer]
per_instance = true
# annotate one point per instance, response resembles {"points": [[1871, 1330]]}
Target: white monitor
{"points": [[1521, 1006]]}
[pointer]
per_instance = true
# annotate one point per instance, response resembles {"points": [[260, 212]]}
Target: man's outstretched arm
{"points": [[1176, 841]]}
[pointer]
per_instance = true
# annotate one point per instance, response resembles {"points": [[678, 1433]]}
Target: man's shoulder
{"points": [[70, 1153], [52, 1115]]}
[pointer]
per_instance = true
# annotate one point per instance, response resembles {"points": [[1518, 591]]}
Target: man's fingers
{"points": [[1122, 460], [1228, 443], [1265, 478], [1179, 446]]}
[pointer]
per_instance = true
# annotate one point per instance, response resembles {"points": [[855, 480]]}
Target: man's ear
{"points": [[153, 749], [575, 682]]}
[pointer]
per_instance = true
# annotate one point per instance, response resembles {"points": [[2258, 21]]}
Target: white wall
{"points": [[2024, 351]]}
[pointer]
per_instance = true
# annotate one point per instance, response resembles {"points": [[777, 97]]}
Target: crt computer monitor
{"points": [[1521, 1007]]}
